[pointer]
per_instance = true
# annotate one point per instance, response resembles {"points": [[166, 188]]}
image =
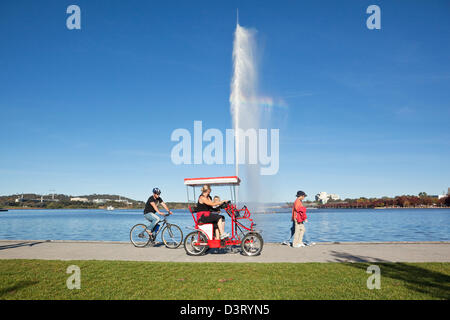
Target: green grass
{"points": [[41, 279]]}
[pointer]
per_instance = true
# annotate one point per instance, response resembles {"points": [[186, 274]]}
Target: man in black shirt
{"points": [[151, 208]]}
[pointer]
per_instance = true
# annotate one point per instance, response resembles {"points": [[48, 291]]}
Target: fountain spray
{"points": [[243, 100]]}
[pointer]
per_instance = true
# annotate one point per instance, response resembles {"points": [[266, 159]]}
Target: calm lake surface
{"points": [[324, 224]]}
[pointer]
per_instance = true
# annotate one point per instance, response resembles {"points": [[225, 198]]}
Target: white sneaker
{"points": [[299, 246], [286, 243]]}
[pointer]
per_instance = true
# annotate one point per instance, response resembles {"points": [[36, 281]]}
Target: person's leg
{"points": [[306, 238], [291, 234], [222, 221], [292, 230], [296, 241], [214, 221], [217, 232], [153, 219], [221, 226], [302, 232], [217, 220]]}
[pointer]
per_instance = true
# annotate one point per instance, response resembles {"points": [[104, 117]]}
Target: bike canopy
{"points": [[214, 181], [231, 181]]}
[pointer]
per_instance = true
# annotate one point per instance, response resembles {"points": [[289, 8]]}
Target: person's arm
{"points": [[302, 211], [165, 207], [211, 203], [155, 207]]}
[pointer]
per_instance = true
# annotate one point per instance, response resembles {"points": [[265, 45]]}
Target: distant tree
{"points": [[423, 194], [427, 201], [414, 201], [447, 201], [378, 203]]}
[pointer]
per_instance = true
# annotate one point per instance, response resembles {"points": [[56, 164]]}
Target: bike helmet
{"points": [[156, 191]]}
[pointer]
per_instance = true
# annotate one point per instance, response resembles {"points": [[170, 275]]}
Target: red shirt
{"points": [[298, 211]]}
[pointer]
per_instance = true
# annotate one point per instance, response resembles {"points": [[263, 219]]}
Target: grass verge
{"points": [[43, 279]]}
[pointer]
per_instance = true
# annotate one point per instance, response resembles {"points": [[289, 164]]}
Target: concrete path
{"points": [[321, 252]]}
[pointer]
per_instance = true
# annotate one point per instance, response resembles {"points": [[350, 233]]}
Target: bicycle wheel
{"points": [[195, 243], [172, 236], [139, 236], [252, 244]]}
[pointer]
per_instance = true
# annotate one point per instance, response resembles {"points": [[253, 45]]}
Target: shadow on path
{"points": [[346, 257], [22, 244], [19, 285], [155, 245], [221, 251], [414, 277]]}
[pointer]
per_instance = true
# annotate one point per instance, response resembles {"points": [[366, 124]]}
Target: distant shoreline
{"points": [[81, 208], [256, 212], [431, 207], [378, 208]]}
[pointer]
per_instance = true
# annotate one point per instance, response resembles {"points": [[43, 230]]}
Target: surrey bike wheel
{"points": [[172, 236], [195, 243], [139, 236], [252, 244]]}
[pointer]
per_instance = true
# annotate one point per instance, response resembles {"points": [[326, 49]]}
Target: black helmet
{"points": [[156, 191]]}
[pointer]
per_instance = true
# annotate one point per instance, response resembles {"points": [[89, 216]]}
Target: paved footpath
{"points": [[321, 252]]}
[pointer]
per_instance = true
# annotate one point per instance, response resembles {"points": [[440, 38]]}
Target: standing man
{"points": [[299, 218], [151, 207]]}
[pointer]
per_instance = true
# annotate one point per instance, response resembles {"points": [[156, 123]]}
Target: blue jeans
{"points": [[153, 219]]}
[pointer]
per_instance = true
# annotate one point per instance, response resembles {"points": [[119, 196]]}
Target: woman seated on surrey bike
{"points": [[205, 212]]}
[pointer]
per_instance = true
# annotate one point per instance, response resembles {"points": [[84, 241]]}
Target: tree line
{"points": [[404, 201]]}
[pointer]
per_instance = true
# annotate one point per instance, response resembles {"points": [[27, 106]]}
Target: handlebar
{"points": [[225, 204]]}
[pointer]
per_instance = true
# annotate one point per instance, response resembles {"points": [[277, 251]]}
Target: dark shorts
{"points": [[212, 218]]}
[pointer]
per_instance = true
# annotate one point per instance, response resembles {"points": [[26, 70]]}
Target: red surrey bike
{"points": [[243, 231]]}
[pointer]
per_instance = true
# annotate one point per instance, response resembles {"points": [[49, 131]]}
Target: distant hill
{"points": [[56, 201]]}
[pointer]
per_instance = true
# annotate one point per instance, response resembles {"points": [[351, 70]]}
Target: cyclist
{"points": [[151, 208]]}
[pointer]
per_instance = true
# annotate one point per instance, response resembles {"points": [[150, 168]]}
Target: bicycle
{"points": [[171, 234]]}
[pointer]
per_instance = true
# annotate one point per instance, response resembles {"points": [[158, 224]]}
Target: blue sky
{"points": [[92, 110]]}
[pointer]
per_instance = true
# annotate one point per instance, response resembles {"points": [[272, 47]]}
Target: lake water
{"points": [[324, 224]]}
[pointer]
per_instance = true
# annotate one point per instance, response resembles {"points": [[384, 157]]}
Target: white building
{"points": [[124, 201], [101, 201], [443, 195], [323, 197], [79, 199], [334, 196]]}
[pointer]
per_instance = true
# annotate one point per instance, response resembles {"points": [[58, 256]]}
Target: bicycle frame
{"points": [[162, 224], [235, 223]]}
